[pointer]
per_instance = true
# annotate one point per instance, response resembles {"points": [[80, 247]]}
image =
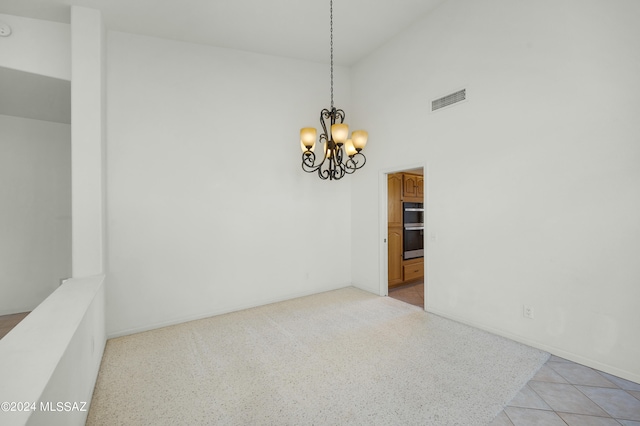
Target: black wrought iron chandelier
{"points": [[341, 155]]}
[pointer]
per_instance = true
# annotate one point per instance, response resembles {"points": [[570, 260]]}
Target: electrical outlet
{"points": [[527, 311]]}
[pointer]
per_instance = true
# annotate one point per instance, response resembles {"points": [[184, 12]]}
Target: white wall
{"points": [[533, 183], [36, 46], [208, 208], [35, 218]]}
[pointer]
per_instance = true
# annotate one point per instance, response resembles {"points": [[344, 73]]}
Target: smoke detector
{"points": [[5, 29]]}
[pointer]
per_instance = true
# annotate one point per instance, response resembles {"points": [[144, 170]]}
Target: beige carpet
{"points": [[341, 357]]}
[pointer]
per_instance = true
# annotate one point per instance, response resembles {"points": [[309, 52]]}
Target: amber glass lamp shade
{"points": [[308, 138], [359, 138], [349, 148], [339, 133]]}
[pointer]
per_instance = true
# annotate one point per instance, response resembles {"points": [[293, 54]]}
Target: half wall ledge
{"points": [[51, 359]]}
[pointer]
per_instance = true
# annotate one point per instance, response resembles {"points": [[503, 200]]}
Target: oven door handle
{"points": [[414, 228], [413, 209]]}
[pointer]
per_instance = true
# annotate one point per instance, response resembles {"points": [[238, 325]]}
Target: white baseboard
{"points": [[545, 347], [213, 313]]}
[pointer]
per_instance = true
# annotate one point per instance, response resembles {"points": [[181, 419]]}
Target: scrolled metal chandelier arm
{"points": [[352, 164], [333, 154]]}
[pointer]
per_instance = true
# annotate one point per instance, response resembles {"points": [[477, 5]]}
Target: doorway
{"points": [[404, 230]]}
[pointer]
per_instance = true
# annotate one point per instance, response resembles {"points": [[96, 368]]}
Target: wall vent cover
{"points": [[451, 99]]}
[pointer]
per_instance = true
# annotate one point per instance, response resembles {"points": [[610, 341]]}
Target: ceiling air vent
{"points": [[451, 99]]}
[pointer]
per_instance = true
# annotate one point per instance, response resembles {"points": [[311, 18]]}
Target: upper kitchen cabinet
{"points": [[413, 188]]}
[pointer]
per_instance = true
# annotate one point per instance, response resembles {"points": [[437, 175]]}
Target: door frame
{"points": [[383, 215]]}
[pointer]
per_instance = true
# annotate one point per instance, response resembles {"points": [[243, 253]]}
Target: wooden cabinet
{"points": [[410, 188], [394, 227], [413, 269], [395, 269], [413, 188], [394, 199]]}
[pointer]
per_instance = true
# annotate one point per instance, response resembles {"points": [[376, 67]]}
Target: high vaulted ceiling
{"points": [[291, 28]]}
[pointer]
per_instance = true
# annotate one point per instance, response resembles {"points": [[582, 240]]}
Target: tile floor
{"points": [[409, 293], [566, 393], [7, 322]]}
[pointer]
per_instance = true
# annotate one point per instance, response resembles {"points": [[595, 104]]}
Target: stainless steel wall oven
{"points": [[413, 235]]}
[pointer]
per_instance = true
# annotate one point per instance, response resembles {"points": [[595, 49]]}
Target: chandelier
{"points": [[340, 154]]}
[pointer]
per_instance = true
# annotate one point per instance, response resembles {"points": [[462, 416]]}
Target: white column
{"points": [[87, 140]]}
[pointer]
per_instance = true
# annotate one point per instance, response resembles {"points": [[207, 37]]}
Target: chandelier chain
{"points": [[331, 19]]}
